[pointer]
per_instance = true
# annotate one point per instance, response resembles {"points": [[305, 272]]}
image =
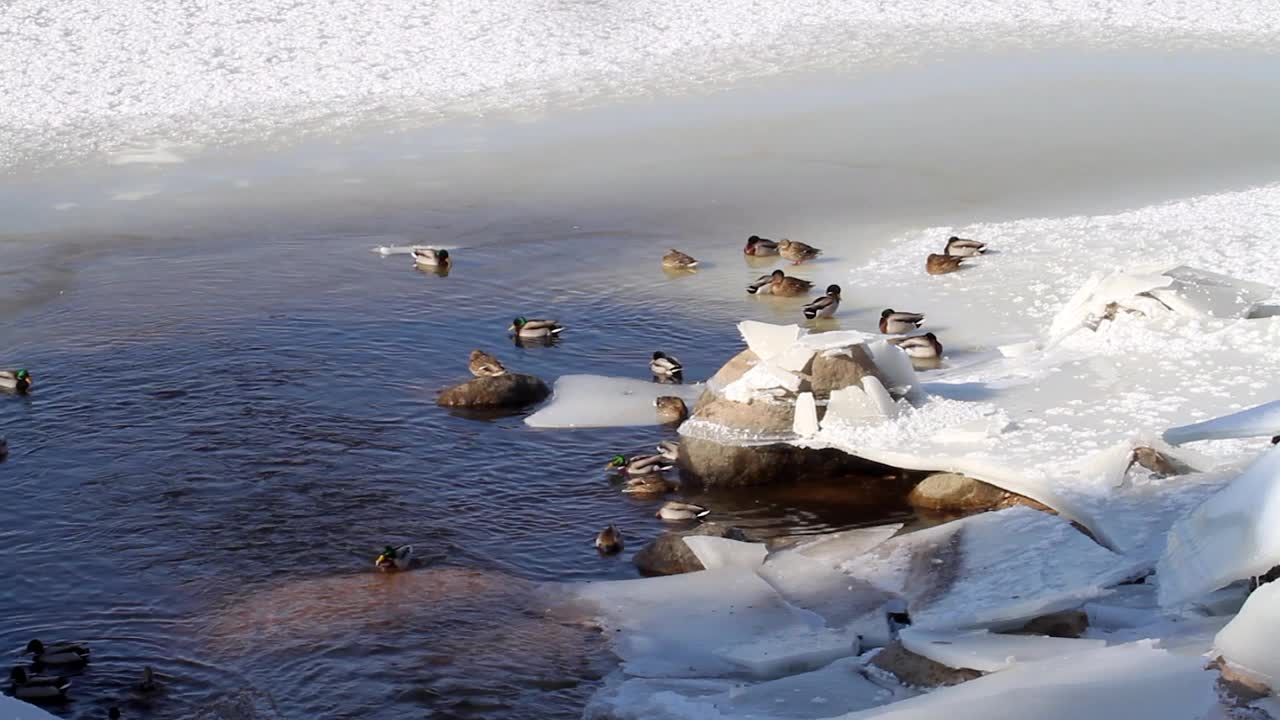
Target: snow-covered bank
{"points": [[1070, 344]]}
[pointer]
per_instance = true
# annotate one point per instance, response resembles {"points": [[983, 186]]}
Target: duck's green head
{"points": [[519, 322], [23, 374], [388, 555], [617, 461], [442, 254]]}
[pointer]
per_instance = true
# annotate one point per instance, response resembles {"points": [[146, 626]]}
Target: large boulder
{"points": [[504, 391], [836, 371], [955, 493], [669, 555]]}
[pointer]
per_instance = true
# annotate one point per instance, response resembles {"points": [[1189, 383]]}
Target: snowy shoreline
{"points": [[1055, 414]]}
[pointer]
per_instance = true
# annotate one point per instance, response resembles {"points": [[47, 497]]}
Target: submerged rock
{"points": [[1065, 624], [668, 554], [505, 391], [917, 670], [955, 492]]}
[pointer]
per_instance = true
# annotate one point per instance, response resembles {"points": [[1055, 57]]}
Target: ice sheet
{"points": [[715, 553], [598, 401], [990, 652], [805, 422], [1248, 641], [14, 709], [1235, 534], [1259, 421]]}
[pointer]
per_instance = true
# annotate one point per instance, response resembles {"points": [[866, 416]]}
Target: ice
{"points": [[805, 422], [1113, 682], [848, 605], [895, 367], [1089, 304], [835, 547], [1260, 421], [1233, 535], [852, 405], [827, 341], [990, 652], [1199, 292], [14, 709], [879, 396], [715, 553], [769, 341], [763, 380], [598, 401]]}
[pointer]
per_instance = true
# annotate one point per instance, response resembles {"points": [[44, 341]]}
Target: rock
{"points": [[955, 492], [504, 391], [840, 370], [669, 555], [918, 670], [1065, 624], [1236, 688], [737, 366]]}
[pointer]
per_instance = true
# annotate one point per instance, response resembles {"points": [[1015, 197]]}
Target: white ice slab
{"points": [[990, 652], [805, 421], [14, 709], [850, 605], [895, 367], [598, 401], [1247, 643], [1258, 421], [768, 341], [764, 380], [1127, 681], [1195, 292], [1235, 534], [715, 553]]}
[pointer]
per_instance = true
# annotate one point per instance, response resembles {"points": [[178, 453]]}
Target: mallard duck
{"points": [[638, 465], [675, 511], [676, 260], [960, 247], [394, 558], [671, 409], [37, 688], [797, 252], [781, 283], [825, 306], [431, 257], [18, 381], [148, 683], [526, 328], [669, 450], [59, 654], [758, 246], [893, 322], [924, 347], [482, 364], [609, 541], [942, 264], [664, 365], [654, 484], [761, 286]]}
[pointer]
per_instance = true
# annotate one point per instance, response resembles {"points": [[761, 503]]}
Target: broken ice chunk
{"points": [[805, 422], [895, 367], [1260, 421], [879, 396], [1247, 643], [715, 552], [767, 340], [1195, 293], [987, 652], [598, 401]]}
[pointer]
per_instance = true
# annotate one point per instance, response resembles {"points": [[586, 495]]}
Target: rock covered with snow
{"points": [[1247, 643]]}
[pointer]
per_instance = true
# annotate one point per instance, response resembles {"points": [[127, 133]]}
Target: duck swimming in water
{"points": [[18, 381], [825, 306], [58, 654], [757, 246], [893, 322], [671, 409], [609, 541], [960, 247], [677, 511], [664, 365], [482, 364], [431, 257], [676, 260], [942, 264], [37, 689], [639, 465], [651, 485], [924, 351], [797, 252], [526, 328], [394, 558], [786, 285]]}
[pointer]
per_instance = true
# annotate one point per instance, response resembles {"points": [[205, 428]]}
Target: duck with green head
{"points": [[639, 465], [524, 327], [18, 381], [37, 688], [58, 654], [394, 558]]}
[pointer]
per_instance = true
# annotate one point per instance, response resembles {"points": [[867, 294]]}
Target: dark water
{"points": [[222, 434]]}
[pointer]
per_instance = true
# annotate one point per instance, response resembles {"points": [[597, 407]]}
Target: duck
{"points": [[4, 448], [923, 347], [664, 365], [669, 450], [786, 285], [58, 654], [526, 328], [113, 713], [654, 484], [825, 306], [758, 246], [639, 465], [482, 364], [942, 264], [960, 247], [893, 322], [38, 688], [761, 286], [431, 257], [609, 541], [394, 558], [676, 511], [671, 409], [797, 252], [676, 260], [18, 381], [148, 683]]}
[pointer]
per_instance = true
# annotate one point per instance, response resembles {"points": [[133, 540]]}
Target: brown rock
{"points": [[1235, 687], [955, 492], [737, 366], [669, 555], [1065, 624], [917, 670], [504, 391], [835, 372]]}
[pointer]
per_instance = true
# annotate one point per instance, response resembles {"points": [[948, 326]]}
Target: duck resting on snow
{"points": [[609, 541], [676, 260], [960, 247], [664, 365], [893, 322], [942, 264], [523, 327], [431, 257], [677, 511], [797, 252], [638, 465], [18, 381], [825, 306], [394, 558], [482, 364], [758, 246]]}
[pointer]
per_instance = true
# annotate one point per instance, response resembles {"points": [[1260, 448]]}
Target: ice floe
{"points": [[990, 652], [1260, 421], [15, 709], [1247, 643], [598, 401]]}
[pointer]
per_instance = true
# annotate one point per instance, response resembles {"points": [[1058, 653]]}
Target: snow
{"points": [[598, 401], [1260, 421], [1247, 643], [990, 652], [14, 709], [1234, 535]]}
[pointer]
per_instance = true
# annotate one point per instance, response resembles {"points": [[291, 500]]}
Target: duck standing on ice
{"points": [[825, 306]]}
